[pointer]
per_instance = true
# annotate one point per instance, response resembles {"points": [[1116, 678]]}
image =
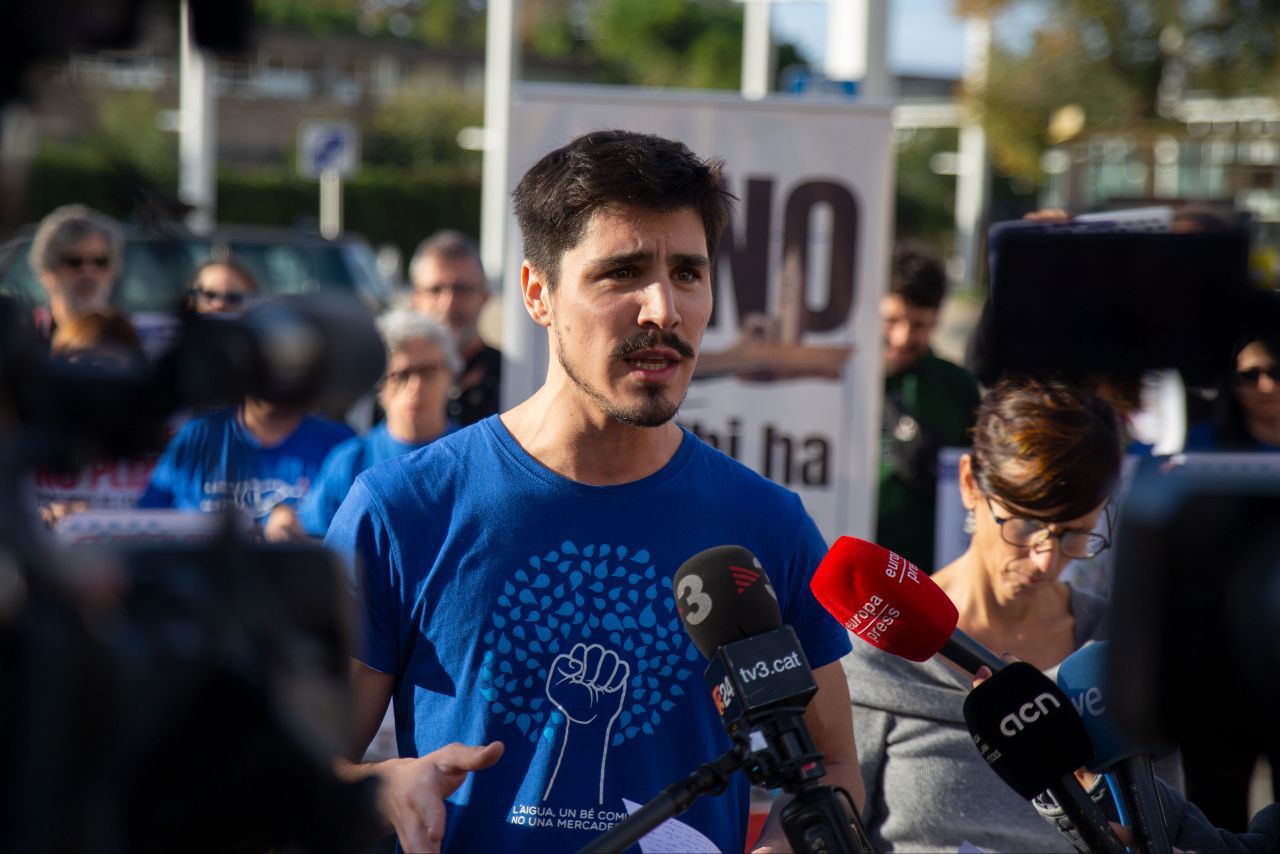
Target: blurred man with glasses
{"points": [[76, 256], [449, 285]]}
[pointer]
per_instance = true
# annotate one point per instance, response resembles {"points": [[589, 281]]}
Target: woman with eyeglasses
{"points": [[1247, 412], [222, 286], [1036, 484]]}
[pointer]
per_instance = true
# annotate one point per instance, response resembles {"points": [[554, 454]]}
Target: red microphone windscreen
{"points": [[884, 599]]}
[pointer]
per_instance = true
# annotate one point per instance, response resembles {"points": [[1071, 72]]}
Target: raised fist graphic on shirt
{"points": [[588, 686], [588, 683]]}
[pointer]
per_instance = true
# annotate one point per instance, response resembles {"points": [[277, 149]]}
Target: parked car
{"points": [[158, 265]]}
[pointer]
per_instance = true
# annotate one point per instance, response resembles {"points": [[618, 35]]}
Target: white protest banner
{"points": [[141, 526], [789, 377]]}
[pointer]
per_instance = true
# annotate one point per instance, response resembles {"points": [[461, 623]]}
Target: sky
{"points": [[924, 36]]}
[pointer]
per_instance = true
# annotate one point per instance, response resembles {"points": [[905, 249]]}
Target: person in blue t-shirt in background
{"points": [[252, 457], [422, 362]]}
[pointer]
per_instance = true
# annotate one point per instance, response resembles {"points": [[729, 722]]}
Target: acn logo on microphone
{"points": [[1028, 713]]}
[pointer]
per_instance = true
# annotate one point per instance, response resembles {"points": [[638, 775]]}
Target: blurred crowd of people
{"points": [[286, 467], [1037, 482]]}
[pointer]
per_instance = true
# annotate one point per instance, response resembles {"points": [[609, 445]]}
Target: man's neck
{"points": [[269, 424], [471, 348], [586, 446], [410, 433]]}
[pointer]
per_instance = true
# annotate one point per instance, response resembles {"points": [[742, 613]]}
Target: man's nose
{"points": [[658, 305]]}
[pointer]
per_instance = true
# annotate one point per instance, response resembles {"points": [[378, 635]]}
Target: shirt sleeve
{"points": [[824, 640], [359, 534], [317, 508], [162, 489]]}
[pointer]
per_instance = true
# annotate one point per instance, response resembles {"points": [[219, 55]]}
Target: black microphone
{"points": [[760, 682], [1029, 734]]}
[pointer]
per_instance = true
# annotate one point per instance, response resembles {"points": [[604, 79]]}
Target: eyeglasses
{"points": [[458, 289], [79, 262], [1033, 534], [228, 298], [425, 373], [1252, 376]]}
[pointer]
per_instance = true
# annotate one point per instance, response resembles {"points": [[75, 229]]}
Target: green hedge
{"points": [[383, 205]]}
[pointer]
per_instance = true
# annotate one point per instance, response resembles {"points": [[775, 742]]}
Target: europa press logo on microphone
{"points": [[1028, 713], [873, 619], [901, 569]]}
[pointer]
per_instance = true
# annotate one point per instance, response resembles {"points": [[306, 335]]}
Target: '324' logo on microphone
{"points": [[722, 695]]}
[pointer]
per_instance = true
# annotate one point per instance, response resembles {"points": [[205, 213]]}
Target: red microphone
{"points": [[891, 604]]}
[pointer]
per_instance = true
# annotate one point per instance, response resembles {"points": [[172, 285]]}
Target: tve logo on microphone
{"points": [[1028, 713]]}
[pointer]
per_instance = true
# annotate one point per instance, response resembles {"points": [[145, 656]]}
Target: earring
{"points": [[970, 522]]}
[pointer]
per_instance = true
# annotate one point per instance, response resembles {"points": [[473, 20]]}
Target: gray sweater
{"points": [[928, 788]]}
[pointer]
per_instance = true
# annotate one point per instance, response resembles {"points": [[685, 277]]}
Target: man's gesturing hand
{"points": [[413, 790]]}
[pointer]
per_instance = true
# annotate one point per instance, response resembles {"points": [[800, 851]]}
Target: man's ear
{"points": [[536, 291]]}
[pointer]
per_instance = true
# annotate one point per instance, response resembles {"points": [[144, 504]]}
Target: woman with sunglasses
{"points": [[222, 286], [1046, 456], [1246, 418], [1247, 412], [75, 255]]}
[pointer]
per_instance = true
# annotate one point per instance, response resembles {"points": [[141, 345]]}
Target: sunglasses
{"points": [[1251, 376], [230, 298], [78, 262]]}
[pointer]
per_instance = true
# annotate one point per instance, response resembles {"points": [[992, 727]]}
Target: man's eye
{"points": [[622, 274], [687, 276]]}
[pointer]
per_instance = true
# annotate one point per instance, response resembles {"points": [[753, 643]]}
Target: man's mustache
{"points": [[651, 339]]}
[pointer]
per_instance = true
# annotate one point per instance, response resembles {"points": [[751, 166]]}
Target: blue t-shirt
{"points": [[316, 509], [215, 462], [492, 585], [1204, 437]]}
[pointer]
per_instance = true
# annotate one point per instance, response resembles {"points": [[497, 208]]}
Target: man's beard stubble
{"points": [[655, 411]]}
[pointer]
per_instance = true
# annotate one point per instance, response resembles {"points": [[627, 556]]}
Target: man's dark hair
{"points": [[917, 276], [558, 195]]}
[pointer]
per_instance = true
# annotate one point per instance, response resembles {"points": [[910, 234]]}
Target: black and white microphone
{"points": [[1029, 734], [761, 682]]}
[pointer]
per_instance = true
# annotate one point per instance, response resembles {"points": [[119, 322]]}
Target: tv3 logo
{"points": [[1028, 713], [697, 603], [723, 695]]}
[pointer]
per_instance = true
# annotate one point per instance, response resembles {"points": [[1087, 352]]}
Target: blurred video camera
{"points": [[167, 694], [1196, 638]]}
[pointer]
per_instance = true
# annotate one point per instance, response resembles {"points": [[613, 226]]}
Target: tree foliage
{"points": [[416, 130], [1125, 62]]}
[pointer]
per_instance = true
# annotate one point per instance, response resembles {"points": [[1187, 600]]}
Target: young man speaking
{"points": [[517, 601]]}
